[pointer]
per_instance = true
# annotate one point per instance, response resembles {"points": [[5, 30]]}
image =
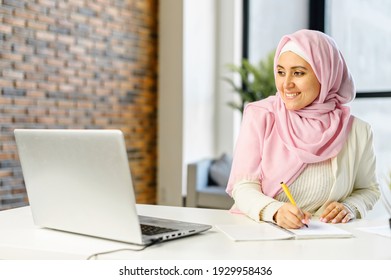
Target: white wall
{"points": [[170, 102], [199, 78], [196, 40], [229, 50]]}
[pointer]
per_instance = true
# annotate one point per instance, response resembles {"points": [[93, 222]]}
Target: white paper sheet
{"points": [[267, 231]]}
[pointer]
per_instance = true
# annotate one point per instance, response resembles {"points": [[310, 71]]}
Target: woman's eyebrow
{"points": [[294, 67], [299, 67]]}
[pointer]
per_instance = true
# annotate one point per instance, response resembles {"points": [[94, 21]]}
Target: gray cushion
{"points": [[220, 169]]}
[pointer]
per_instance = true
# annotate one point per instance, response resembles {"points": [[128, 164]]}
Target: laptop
{"points": [[79, 181]]}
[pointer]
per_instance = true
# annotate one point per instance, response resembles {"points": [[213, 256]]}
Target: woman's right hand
{"points": [[291, 217]]}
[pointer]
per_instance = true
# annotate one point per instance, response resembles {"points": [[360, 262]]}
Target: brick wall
{"points": [[79, 64]]}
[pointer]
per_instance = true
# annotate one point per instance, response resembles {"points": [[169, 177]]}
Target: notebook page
{"points": [[379, 230], [253, 232], [317, 229]]}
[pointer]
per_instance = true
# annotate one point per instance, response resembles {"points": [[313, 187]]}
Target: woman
{"points": [[305, 136]]}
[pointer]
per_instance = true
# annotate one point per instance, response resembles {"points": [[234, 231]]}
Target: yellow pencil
{"points": [[289, 195]]}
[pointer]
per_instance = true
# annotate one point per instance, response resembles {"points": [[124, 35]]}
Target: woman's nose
{"points": [[288, 82]]}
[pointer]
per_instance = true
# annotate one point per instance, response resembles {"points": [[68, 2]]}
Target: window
{"points": [[266, 21], [362, 31]]}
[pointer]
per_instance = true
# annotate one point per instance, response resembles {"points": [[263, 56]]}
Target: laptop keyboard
{"points": [[152, 230]]}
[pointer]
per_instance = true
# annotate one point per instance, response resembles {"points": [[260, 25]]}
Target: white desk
{"points": [[20, 239]]}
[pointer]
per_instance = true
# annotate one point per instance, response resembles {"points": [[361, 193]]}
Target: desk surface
{"points": [[20, 239]]}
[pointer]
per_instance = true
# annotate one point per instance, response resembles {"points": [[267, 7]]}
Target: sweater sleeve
{"points": [[365, 185], [253, 203]]}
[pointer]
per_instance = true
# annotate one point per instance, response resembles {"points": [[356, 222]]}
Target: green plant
{"points": [[256, 81]]}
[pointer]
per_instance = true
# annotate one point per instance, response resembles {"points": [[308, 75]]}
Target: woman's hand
{"points": [[291, 217], [336, 213]]}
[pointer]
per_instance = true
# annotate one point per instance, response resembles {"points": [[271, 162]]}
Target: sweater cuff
{"points": [[352, 209], [268, 212]]}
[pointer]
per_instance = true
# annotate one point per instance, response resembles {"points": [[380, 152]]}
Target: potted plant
{"points": [[256, 81]]}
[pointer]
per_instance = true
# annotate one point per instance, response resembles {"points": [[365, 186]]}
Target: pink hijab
{"points": [[276, 144]]}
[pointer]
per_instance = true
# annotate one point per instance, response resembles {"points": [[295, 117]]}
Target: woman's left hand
{"points": [[336, 213]]}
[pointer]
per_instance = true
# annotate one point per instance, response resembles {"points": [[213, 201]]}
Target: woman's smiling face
{"points": [[296, 81]]}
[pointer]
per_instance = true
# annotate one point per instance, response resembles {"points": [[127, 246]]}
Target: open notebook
{"points": [[269, 231]]}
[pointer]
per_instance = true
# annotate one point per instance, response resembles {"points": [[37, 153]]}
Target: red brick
{"points": [[25, 119], [46, 120], [85, 74], [97, 22], [5, 155], [24, 67], [34, 111], [5, 119], [113, 11], [75, 64], [95, 7], [66, 121], [6, 172], [24, 102], [41, 17], [25, 84], [6, 83], [86, 43], [46, 3], [45, 35], [6, 29], [76, 81], [47, 86], [23, 14], [85, 105], [13, 74], [35, 94], [66, 39], [57, 112], [67, 72], [76, 3], [66, 104], [55, 62], [55, 78], [78, 18], [37, 25], [46, 103], [66, 88], [14, 110], [77, 50], [13, 21]]}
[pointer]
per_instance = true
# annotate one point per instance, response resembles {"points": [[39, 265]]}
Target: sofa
{"points": [[206, 183]]}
